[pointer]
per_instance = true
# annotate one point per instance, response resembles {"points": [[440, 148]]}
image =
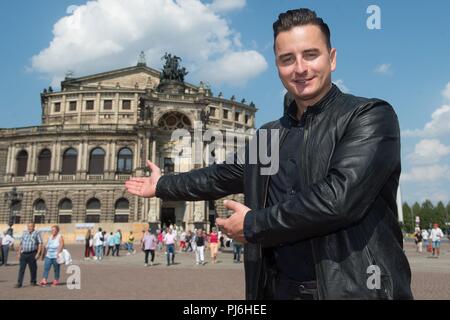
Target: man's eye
{"points": [[287, 60], [311, 56]]}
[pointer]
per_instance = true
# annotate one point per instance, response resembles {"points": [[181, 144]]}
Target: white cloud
{"points": [[438, 126], [427, 173], [230, 67], [71, 9], [227, 5], [429, 151], [384, 68], [446, 91], [341, 85], [107, 34]]}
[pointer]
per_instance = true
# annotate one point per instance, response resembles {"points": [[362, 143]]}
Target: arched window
{"points": [[69, 162], [39, 211], [124, 160], [122, 210], [97, 161], [44, 160], [16, 210], [173, 121], [93, 210], [21, 163], [65, 211]]}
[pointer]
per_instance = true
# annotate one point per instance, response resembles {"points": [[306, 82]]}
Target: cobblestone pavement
{"points": [[126, 277]]}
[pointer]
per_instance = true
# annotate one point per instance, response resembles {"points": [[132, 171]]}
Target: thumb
{"points": [[232, 205], [153, 167]]}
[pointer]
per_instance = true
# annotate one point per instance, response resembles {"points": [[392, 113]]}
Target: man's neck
{"points": [[302, 105]]}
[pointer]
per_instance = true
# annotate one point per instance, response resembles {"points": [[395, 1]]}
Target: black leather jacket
{"points": [[347, 205]]}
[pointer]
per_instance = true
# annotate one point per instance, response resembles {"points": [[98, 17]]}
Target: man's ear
{"points": [[333, 54]]}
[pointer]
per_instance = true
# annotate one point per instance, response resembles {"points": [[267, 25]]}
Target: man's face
{"points": [[305, 63], [30, 227]]}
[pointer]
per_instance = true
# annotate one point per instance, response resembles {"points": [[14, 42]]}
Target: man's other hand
{"points": [[233, 226], [145, 186]]}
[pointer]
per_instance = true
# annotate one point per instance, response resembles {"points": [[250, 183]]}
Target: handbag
{"points": [[60, 259]]}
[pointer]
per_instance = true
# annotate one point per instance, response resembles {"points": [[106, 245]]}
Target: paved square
{"points": [[126, 277]]}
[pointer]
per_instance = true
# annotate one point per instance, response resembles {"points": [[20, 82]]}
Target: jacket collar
{"points": [[318, 107]]}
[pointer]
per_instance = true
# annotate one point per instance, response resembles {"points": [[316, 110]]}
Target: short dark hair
{"points": [[300, 17]]}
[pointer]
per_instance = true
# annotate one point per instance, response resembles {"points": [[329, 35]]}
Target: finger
{"points": [[136, 191], [137, 183], [153, 167], [137, 179], [133, 185]]}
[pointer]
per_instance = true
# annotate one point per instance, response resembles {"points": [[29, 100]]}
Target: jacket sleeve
{"points": [[210, 183], [362, 162]]}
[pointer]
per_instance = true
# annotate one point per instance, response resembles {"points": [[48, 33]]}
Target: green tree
{"points": [[426, 214], [408, 222]]}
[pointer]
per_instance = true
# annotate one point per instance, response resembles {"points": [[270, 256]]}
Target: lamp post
{"points": [[204, 117], [13, 198]]}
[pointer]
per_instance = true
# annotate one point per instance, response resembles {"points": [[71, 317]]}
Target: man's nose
{"points": [[300, 66]]}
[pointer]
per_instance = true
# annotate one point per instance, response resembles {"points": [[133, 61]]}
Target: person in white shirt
{"points": [[98, 244], [435, 236], [7, 242], [169, 241], [425, 237]]}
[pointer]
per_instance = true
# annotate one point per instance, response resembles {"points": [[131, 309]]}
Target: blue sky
{"points": [[406, 62]]}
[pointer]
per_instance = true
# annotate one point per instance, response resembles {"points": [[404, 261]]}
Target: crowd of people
{"points": [[431, 239], [171, 240]]}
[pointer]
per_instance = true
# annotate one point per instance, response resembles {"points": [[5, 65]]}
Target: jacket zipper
{"points": [[266, 187], [308, 120]]}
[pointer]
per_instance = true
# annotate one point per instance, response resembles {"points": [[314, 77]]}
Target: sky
{"points": [[228, 44]]}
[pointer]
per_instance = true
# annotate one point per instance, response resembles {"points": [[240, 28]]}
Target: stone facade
{"points": [[97, 132]]}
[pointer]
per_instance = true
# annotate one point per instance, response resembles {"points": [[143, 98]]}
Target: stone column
{"points": [[80, 107], [113, 160], [84, 160], [10, 161], [31, 165], [97, 107], [116, 109], [79, 159]]}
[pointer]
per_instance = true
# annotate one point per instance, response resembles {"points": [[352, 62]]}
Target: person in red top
{"points": [[160, 240], [213, 244]]}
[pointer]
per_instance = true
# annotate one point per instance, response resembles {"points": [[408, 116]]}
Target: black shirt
{"points": [[200, 241], [294, 260]]}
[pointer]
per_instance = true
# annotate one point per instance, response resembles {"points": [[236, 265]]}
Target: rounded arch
{"points": [[93, 210], [93, 204], [44, 162], [124, 160], [65, 204], [97, 160], [21, 163], [65, 208], [69, 161], [39, 210], [122, 210], [172, 120]]}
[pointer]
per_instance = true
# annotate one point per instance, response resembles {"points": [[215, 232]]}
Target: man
{"points": [[6, 244], [435, 237], [324, 226], [30, 251], [169, 241], [98, 244]]}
